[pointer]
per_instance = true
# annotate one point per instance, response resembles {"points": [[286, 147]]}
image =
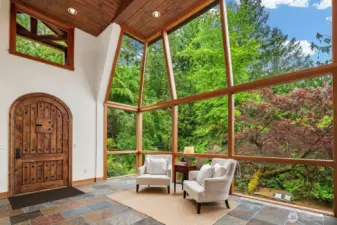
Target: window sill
{"points": [[71, 68]]}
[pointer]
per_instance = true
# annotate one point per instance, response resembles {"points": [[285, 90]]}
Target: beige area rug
{"points": [[171, 209]]}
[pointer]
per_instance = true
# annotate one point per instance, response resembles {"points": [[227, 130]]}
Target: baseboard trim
{"points": [[87, 181], [99, 179], [3, 195]]}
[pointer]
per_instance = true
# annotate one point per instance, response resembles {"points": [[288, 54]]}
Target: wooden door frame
{"points": [[11, 145]]}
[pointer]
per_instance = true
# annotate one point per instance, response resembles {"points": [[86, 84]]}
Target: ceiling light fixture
{"points": [[156, 14], [72, 11]]}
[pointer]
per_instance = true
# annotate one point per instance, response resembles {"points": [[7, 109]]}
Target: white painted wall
{"points": [[78, 89]]}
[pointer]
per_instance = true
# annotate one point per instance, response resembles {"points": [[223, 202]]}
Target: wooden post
{"points": [[142, 74], [170, 73], [229, 76], [139, 138], [334, 89]]}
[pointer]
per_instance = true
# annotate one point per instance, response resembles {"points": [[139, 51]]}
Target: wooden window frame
{"points": [[230, 91], [39, 15]]}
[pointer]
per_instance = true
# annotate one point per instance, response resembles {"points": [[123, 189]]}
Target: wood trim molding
{"points": [[156, 152], [85, 181], [3, 195], [185, 15], [169, 66], [142, 74], [117, 105], [99, 179], [69, 51], [271, 81], [11, 146], [121, 152]]}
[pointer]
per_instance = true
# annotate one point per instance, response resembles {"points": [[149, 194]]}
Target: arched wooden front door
{"points": [[40, 144]]}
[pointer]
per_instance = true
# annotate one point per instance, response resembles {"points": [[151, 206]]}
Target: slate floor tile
{"points": [[37, 207], [272, 214], [96, 216], [4, 201], [328, 220], [225, 220], [118, 208], [25, 217], [148, 221], [76, 212], [99, 205], [258, 222], [4, 221], [245, 211], [55, 209], [9, 213], [75, 221], [300, 218]]}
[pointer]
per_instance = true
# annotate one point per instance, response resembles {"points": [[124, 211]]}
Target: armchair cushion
{"points": [[218, 170], [148, 179], [205, 172], [141, 170], [156, 166]]}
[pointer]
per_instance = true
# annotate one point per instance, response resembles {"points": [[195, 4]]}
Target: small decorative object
{"points": [[188, 150]]}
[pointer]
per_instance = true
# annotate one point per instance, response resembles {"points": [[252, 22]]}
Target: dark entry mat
{"points": [[19, 202]]}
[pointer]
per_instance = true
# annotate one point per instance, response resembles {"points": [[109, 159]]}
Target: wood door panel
{"points": [[40, 144]]}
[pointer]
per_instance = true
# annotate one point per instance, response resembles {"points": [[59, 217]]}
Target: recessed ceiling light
{"points": [[156, 14], [72, 11]]}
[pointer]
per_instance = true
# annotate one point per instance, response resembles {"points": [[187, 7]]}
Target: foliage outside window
{"points": [[310, 186], [288, 121], [121, 130], [157, 130], [203, 125], [125, 86], [266, 43], [198, 56], [156, 86], [121, 165], [39, 40]]}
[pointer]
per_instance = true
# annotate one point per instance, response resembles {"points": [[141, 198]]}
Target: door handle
{"points": [[17, 153]]}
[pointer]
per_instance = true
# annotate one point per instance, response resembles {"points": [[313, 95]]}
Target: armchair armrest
{"points": [[169, 171], [141, 170], [192, 175], [217, 185]]}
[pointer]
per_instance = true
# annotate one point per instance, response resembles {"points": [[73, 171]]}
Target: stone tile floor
{"points": [[95, 208]]}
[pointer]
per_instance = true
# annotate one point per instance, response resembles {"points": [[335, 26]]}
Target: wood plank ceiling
{"points": [[95, 15]]}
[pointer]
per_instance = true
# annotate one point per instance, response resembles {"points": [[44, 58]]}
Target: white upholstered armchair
{"points": [[157, 170], [212, 189]]}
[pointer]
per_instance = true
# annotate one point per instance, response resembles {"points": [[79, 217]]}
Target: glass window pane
{"points": [[125, 86], [302, 185], [156, 84], [289, 121], [27, 44], [39, 50], [121, 165], [121, 130], [264, 42], [197, 55], [203, 125], [157, 130]]}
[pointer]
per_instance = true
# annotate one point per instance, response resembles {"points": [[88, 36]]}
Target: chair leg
{"points": [[168, 189], [137, 188], [184, 194], [227, 204], [199, 206]]}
